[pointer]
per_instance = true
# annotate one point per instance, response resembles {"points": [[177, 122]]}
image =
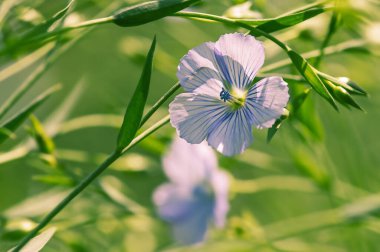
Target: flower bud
{"points": [[149, 11], [342, 96]]}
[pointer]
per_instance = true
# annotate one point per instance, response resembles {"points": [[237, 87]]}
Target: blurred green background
{"points": [[297, 193]]}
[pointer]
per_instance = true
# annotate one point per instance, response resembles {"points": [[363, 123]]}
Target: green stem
{"points": [[327, 39], [158, 104], [338, 48], [87, 181], [79, 188], [229, 21], [89, 23]]}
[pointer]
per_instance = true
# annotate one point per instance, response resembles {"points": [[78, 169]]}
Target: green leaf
{"points": [[277, 124], [299, 100], [44, 142], [38, 242], [43, 27], [278, 23], [306, 163], [149, 11], [311, 76], [134, 112], [12, 124]]}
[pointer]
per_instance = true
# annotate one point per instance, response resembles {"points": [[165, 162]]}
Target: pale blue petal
{"points": [[189, 164], [266, 101], [232, 133], [197, 66], [193, 114], [239, 58], [188, 210]]}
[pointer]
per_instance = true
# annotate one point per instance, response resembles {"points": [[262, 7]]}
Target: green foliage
{"points": [[312, 189], [39, 242], [276, 24], [134, 112], [12, 124]]}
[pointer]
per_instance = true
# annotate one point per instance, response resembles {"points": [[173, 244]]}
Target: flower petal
{"points": [[189, 164], [239, 58], [193, 114], [188, 210], [266, 101], [232, 133], [202, 59]]}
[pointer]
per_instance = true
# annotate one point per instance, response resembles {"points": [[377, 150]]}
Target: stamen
{"points": [[225, 95], [236, 99]]}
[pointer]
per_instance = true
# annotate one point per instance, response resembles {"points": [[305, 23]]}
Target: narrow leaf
{"points": [[44, 142], [12, 124], [149, 11], [44, 27], [278, 23], [38, 242], [300, 99], [277, 124], [311, 75], [133, 115]]}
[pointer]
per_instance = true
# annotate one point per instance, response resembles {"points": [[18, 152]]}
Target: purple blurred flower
{"points": [[196, 194], [221, 104]]}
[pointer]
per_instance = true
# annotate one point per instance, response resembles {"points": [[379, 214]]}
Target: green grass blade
{"points": [[44, 142], [43, 27], [12, 124], [26, 85], [135, 109]]}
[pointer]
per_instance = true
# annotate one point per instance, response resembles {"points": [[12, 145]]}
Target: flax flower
{"points": [[221, 103], [197, 193]]}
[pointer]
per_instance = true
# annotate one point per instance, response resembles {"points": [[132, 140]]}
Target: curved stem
{"points": [[87, 181], [229, 21], [158, 104], [78, 189]]}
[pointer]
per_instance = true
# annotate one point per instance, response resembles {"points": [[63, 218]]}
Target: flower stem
{"points": [[78, 189], [229, 21], [87, 181], [158, 104]]}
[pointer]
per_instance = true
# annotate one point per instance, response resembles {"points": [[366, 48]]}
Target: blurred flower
{"points": [[221, 104], [196, 194]]}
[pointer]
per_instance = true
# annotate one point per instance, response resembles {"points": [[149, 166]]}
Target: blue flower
{"points": [[196, 194], [221, 103]]}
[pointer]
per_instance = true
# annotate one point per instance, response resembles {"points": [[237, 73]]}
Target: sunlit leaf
{"points": [[278, 23], [134, 112], [12, 124], [57, 179], [149, 11], [44, 142], [38, 242]]}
